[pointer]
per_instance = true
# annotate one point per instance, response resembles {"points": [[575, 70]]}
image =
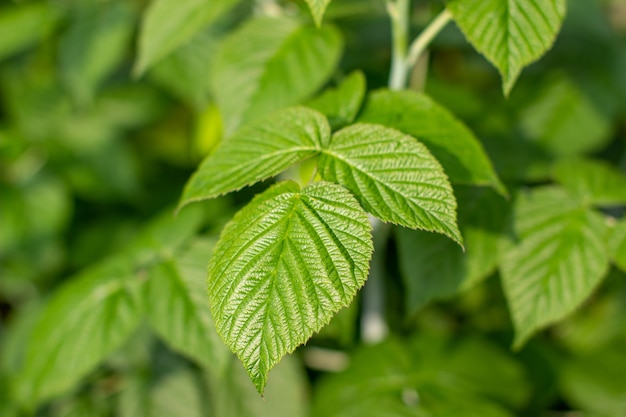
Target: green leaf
{"points": [[317, 7], [426, 377], [559, 261], [393, 176], [259, 151], [341, 105], [450, 141], [168, 24], [592, 182], [510, 33], [271, 63], [283, 266], [433, 267], [179, 311], [24, 25], [83, 323], [563, 121], [95, 45], [617, 244]]}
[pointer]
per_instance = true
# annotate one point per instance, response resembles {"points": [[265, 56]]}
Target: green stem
{"points": [[399, 11], [420, 43]]}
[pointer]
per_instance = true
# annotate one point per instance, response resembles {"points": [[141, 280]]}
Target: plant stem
{"points": [[399, 14], [420, 43]]}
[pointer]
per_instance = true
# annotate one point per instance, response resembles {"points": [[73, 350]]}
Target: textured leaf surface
{"points": [[510, 33], [592, 182], [426, 377], [341, 105], [560, 259], [179, 311], [271, 63], [168, 24], [617, 244], [563, 121], [433, 267], [317, 7], [393, 176], [283, 266], [450, 141], [259, 151]]}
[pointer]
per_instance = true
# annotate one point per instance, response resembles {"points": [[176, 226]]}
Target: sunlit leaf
{"points": [[283, 266], [510, 33], [318, 7], [560, 259], [270, 63], [393, 176], [450, 141], [341, 105], [258, 151]]}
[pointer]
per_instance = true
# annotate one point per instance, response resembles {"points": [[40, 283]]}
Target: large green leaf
{"points": [[433, 267], [592, 182], [617, 244], [341, 105], [22, 26], [271, 63], [168, 24], [510, 33], [428, 377], [560, 259], [84, 322], [450, 141], [563, 121], [318, 7], [179, 311], [283, 266], [259, 151], [393, 176]]}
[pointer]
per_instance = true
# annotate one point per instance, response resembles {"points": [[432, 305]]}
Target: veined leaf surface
{"points": [[450, 141], [560, 259], [393, 176], [259, 151], [283, 266], [318, 7], [510, 33], [271, 63]]}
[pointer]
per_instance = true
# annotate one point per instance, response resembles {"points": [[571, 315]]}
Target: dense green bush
{"points": [[462, 161]]}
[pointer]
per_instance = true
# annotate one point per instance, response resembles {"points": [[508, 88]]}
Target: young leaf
{"points": [[168, 24], [271, 63], [84, 322], [341, 105], [560, 259], [318, 7], [592, 182], [563, 121], [259, 151], [283, 266], [178, 310], [433, 267], [393, 176], [450, 141], [510, 33]]}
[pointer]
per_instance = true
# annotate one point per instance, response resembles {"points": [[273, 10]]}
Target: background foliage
{"points": [[108, 106]]}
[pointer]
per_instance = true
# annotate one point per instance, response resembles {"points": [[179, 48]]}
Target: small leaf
{"points": [[592, 182], [617, 244], [168, 24], [510, 33], [393, 176], [283, 266], [563, 121], [178, 309], [559, 261], [318, 7], [259, 151], [341, 105], [450, 141], [433, 267], [271, 63]]}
